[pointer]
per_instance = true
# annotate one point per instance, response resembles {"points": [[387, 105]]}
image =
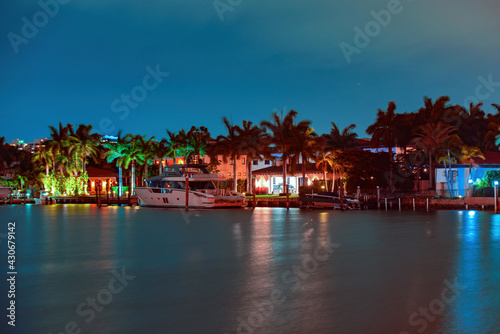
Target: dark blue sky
{"points": [[263, 56]]}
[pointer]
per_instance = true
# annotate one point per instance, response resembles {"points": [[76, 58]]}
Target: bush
{"points": [[261, 191], [487, 181]]}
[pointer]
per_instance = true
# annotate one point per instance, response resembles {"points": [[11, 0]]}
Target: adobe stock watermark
{"points": [[29, 29], [483, 91], [139, 93], [293, 277], [436, 307], [222, 6], [91, 305], [373, 28]]}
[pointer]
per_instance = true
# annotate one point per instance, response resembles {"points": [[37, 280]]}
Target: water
{"points": [[252, 271]]}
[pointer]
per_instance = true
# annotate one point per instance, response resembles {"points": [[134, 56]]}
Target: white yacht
{"points": [[168, 190]]}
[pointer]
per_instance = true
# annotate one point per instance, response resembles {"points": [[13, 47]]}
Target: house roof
{"points": [[362, 142], [490, 158], [278, 170], [101, 173]]}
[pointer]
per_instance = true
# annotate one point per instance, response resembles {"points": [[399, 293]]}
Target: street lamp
{"points": [[496, 203]]}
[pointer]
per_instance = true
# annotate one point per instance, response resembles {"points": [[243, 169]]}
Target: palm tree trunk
{"points": [[146, 171], [47, 169], [120, 182], [160, 166], [418, 177], [84, 165], [450, 174], [285, 190], [324, 180], [132, 182], [431, 181], [235, 178], [390, 168], [249, 176], [333, 182], [341, 196], [303, 170]]}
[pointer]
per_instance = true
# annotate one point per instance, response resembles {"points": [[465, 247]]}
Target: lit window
{"points": [[231, 161], [243, 161], [244, 174], [228, 174], [239, 174]]}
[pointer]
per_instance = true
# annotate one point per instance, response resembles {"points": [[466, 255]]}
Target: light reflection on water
{"points": [[216, 271]]}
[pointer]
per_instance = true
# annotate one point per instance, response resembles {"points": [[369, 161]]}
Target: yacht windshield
{"points": [[201, 185]]}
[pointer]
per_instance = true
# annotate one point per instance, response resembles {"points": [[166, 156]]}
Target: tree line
{"points": [[437, 133]]}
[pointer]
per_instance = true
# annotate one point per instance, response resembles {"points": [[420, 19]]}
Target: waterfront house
{"points": [[460, 175]]}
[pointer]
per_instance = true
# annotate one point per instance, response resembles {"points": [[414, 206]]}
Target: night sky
{"points": [[238, 58]]}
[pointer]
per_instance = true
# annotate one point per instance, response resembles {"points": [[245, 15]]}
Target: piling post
{"points": [[399, 200], [99, 188], [378, 197], [287, 197], [496, 196], [107, 190], [386, 204], [253, 191], [187, 192], [413, 203], [427, 204]]}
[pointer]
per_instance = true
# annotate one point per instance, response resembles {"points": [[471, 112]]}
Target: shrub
{"points": [[261, 191]]}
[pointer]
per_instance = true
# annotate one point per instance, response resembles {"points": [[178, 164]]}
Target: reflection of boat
{"points": [[169, 189], [328, 200], [4, 192]]}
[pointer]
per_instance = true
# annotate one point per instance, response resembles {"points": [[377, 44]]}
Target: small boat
{"points": [[328, 200], [168, 190]]}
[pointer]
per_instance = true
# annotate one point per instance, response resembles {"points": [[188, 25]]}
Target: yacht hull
{"points": [[173, 198]]}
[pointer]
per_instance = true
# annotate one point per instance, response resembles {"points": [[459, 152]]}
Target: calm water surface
{"points": [[252, 271]]}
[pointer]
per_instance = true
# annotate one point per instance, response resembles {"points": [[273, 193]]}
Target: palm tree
{"points": [[197, 141], [229, 146], [323, 161], [161, 149], [45, 157], [474, 126], [148, 152], [493, 133], [7, 154], [431, 139], [84, 144], [433, 112], [178, 143], [340, 141], [306, 145], [469, 153], [283, 136], [59, 144], [337, 142], [132, 154], [253, 144], [383, 132], [115, 152]]}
